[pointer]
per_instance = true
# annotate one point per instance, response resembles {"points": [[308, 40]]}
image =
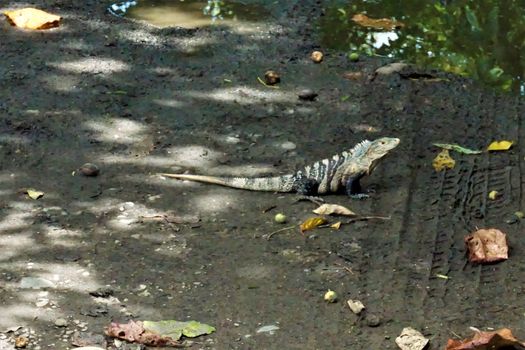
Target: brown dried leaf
{"points": [[380, 23], [502, 338], [134, 332], [353, 75], [329, 209], [487, 246], [31, 18], [312, 223]]}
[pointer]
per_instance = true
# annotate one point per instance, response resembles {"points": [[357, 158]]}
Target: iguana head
{"points": [[380, 148]]}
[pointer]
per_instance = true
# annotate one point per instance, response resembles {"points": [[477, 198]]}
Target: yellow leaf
{"points": [[500, 146], [336, 226], [443, 161], [493, 194], [31, 18], [328, 209], [312, 223], [34, 194]]}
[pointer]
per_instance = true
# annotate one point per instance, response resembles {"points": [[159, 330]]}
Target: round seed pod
{"points": [[89, 169], [272, 77], [316, 56]]}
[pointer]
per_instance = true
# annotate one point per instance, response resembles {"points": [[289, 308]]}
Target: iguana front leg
{"points": [[353, 187]]}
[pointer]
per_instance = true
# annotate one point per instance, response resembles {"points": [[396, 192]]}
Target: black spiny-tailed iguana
{"points": [[326, 176]]}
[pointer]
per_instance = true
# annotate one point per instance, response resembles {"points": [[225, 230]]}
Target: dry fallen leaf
{"points": [[500, 146], [34, 194], [353, 75], [312, 223], [411, 339], [500, 339], [137, 332], [443, 161], [487, 246], [336, 226], [395, 67], [31, 18], [380, 23], [493, 194], [329, 209]]}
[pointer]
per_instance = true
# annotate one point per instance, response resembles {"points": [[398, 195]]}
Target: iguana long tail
{"points": [[273, 184]]}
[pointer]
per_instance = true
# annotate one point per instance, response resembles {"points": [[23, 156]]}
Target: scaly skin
{"points": [[326, 176]]}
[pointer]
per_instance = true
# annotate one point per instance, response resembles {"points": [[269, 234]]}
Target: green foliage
{"points": [[481, 39]]}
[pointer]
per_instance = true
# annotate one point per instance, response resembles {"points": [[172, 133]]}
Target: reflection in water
{"points": [[482, 39], [188, 13]]}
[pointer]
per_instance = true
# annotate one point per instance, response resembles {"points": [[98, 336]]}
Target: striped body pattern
{"points": [[331, 175]]}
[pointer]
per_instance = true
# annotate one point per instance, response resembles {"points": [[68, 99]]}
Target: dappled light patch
{"points": [[19, 215], [172, 103], [246, 95], [91, 65], [118, 130], [193, 156], [20, 313], [15, 244], [60, 236], [214, 202], [62, 83]]}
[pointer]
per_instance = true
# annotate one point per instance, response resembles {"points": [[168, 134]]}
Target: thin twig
{"points": [[349, 269], [269, 86], [269, 235]]}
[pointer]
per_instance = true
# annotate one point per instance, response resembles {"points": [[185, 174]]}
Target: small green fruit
{"points": [[330, 296], [354, 57], [280, 218]]}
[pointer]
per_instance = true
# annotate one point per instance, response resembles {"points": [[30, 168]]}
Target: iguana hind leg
{"points": [[305, 186]]}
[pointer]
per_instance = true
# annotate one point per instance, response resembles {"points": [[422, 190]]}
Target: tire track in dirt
{"points": [[440, 209]]}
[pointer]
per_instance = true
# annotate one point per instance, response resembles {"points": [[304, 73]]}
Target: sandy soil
{"points": [[137, 100]]}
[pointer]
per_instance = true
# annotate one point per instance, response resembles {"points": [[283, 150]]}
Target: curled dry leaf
{"points": [[134, 332], [391, 68], [379, 23], [312, 223], [353, 75], [34, 194], [500, 339], [31, 18], [443, 161], [411, 339], [487, 246], [329, 209], [500, 146], [336, 226]]}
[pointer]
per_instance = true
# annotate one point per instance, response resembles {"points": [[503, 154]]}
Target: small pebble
{"points": [[307, 95], [373, 320], [61, 322], [288, 145], [89, 169]]}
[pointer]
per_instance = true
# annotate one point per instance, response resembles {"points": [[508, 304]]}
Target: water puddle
{"points": [[480, 39], [190, 13]]}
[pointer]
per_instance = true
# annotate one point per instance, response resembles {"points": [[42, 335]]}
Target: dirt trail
{"points": [[137, 101]]}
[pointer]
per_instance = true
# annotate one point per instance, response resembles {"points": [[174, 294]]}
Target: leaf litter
{"points": [[161, 333], [500, 339]]}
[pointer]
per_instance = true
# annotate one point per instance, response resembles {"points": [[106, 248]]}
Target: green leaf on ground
{"points": [[457, 148], [176, 329]]}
